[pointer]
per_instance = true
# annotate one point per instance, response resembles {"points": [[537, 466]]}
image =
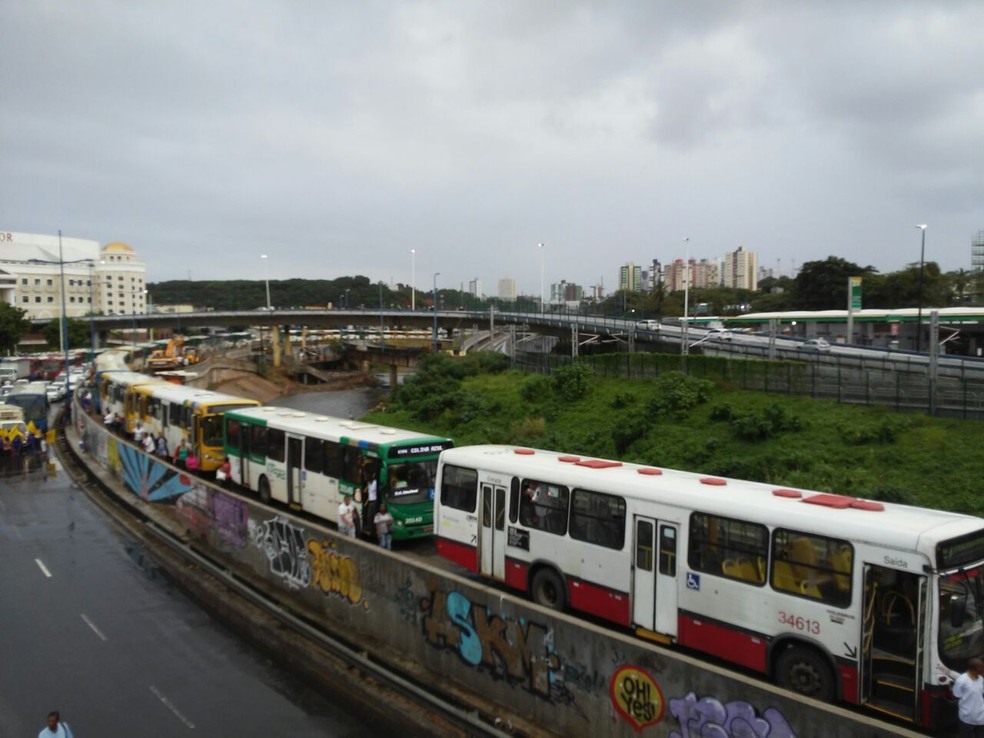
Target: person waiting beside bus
{"points": [[180, 454], [191, 461]]}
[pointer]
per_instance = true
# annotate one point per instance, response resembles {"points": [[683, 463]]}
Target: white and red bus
{"points": [[835, 597]]}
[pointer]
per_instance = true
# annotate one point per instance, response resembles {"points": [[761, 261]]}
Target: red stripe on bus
{"points": [[604, 602], [849, 682], [464, 556], [517, 574], [738, 647]]}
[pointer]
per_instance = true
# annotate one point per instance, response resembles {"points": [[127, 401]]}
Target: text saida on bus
{"points": [[832, 596], [310, 461]]}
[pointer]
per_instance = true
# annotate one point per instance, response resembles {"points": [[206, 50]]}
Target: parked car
{"points": [[719, 334], [815, 344], [55, 391], [647, 325]]}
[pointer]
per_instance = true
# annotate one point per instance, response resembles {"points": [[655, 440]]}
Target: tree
{"points": [[822, 285], [78, 333], [13, 326]]}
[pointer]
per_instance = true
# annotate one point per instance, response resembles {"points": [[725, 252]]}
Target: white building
{"points": [[507, 289], [740, 269], [97, 280]]}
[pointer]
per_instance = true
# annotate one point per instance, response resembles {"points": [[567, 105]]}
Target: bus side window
{"points": [[313, 455], [514, 500], [232, 435], [459, 488], [334, 462]]}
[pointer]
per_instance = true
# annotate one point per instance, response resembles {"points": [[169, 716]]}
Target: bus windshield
{"points": [[410, 481], [212, 430], [961, 611]]}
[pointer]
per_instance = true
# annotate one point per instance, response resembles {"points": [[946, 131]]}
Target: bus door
{"points": [[492, 531], [294, 470], [654, 586], [245, 449], [893, 635]]}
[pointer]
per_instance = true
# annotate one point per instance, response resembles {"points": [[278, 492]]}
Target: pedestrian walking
{"points": [[969, 691], [371, 501], [56, 727]]}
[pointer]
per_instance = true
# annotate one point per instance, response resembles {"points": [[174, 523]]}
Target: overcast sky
{"points": [[337, 136]]}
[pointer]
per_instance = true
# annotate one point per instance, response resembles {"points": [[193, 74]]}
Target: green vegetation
{"points": [[682, 422], [13, 326]]}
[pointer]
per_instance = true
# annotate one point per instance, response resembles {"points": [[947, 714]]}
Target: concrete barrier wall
{"points": [[538, 671]]}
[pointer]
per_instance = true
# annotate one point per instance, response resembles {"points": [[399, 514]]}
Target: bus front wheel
{"points": [[547, 589], [807, 672], [264, 490]]}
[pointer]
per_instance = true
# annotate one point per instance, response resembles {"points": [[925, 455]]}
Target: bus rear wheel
{"points": [[264, 490], [807, 672], [547, 589]]}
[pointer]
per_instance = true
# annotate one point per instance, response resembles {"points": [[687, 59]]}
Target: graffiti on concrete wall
{"points": [[406, 602], [518, 651], [739, 719], [148, 478], [637, 697], [283, 544], [206, 511], [334, 573]]}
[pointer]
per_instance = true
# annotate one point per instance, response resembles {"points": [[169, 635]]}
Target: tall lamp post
{"points": [[540, 247], [92, 310], [64, 314], [266, 278], [436, 345], [685, 344], [413, 279], [922, 264]]}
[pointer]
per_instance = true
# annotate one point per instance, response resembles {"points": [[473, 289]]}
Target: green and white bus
{"points": [[310, 461]]}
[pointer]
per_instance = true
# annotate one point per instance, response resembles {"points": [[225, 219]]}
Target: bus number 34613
{"points": [[799, 623]]}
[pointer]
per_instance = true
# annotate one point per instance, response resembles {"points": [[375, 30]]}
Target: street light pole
{"points": [[64, 313], [92, 310], [685, 344], [436, 345], [413, 279], [922, 263], [540, 247], [266, 278]]}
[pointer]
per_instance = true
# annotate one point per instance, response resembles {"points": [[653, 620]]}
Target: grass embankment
{"points": [[680, 422]]}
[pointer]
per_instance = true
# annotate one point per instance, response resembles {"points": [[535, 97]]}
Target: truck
{"points": [[172, 356], [16, 367]]}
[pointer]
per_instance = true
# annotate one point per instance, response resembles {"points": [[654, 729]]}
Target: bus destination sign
{"points": [[399, 452]]}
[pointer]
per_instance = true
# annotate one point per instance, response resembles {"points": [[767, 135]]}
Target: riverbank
{"points": [[268, 389]]}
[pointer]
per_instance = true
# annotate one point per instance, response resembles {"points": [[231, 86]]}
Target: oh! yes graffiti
{"points": [[636, 696], [739, 719], [283, 544], [510, 649], [334, 573]]}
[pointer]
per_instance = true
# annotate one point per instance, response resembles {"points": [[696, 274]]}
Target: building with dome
{"points": [[98, 280]]}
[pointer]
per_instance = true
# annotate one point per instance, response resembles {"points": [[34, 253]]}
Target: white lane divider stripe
{"points": [[94, 628], [167, 703], [42, 567]]}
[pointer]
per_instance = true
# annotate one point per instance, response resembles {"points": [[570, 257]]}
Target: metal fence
{"points": [[953, 392]]}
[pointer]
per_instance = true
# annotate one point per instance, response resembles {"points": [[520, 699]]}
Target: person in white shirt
{"points": [[56, 727], [969, 691], [346, 516]]}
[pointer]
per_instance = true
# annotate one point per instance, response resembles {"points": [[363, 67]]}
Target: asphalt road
{"points": [[90, 627]]}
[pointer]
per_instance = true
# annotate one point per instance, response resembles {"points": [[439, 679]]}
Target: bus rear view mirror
{"points": [[958, 604]]}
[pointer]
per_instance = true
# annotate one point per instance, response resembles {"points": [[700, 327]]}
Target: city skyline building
{"points": [[630, 277], [507, 289], [740, 269], [109, 279]]}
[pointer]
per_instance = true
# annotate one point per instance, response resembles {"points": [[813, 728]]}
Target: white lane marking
{"points": [[94, 628], [167, 703], [42, 567]]}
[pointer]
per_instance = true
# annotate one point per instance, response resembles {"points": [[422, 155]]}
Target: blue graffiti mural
{"points": [[707, 717], [149, 479]]}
